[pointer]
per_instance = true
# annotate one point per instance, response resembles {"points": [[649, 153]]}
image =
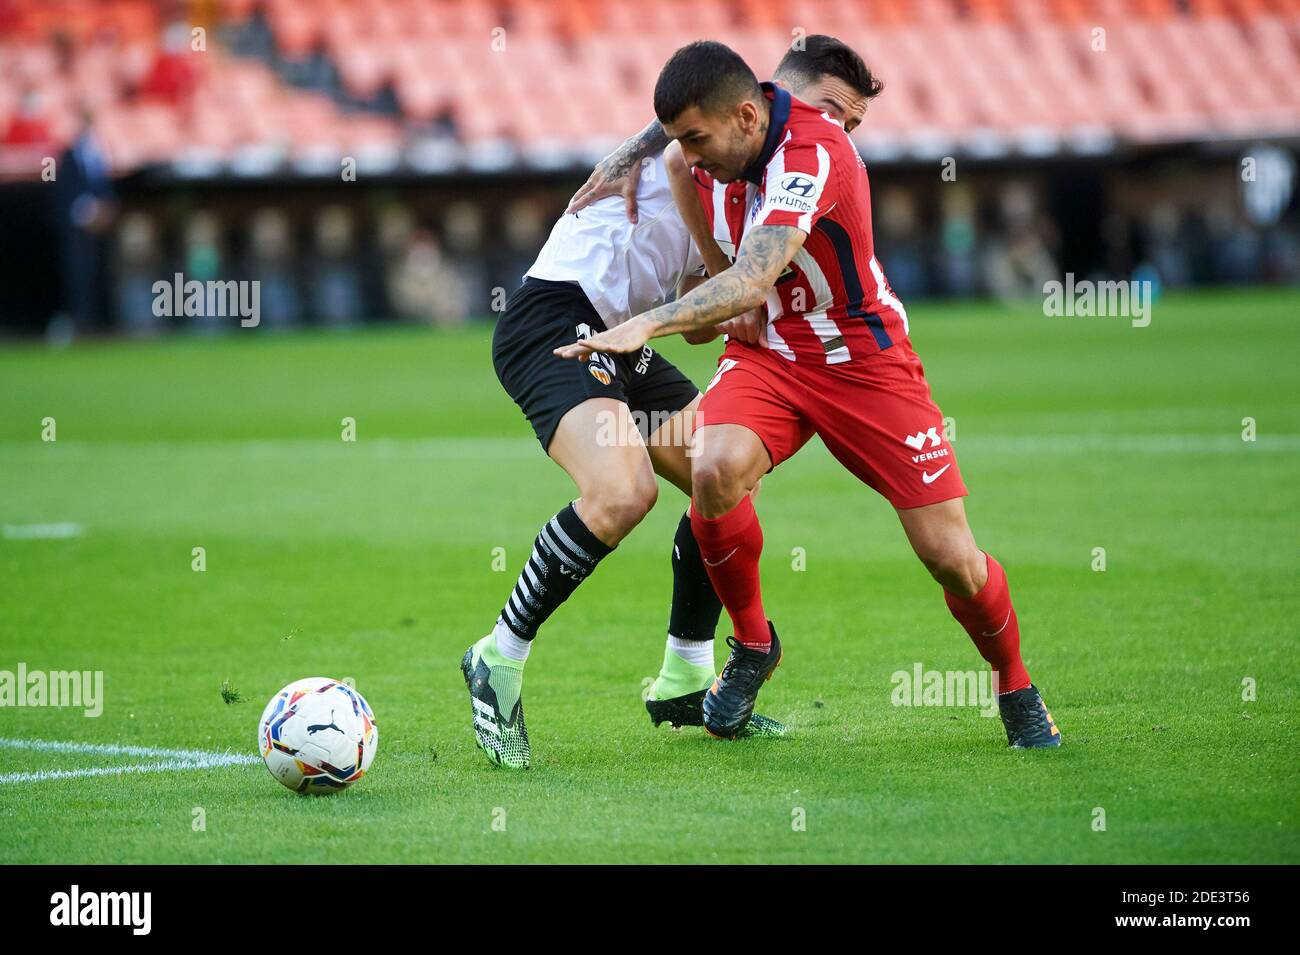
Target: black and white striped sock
{"points": [[564, 555]]}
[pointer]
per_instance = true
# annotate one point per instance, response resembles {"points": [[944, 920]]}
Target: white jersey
{"points": [[624, 269]]}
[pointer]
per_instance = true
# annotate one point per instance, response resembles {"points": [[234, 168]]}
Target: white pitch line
{"points": [[170, 766], [441, 448], [171, 760], [110, 749], [26, 532]]}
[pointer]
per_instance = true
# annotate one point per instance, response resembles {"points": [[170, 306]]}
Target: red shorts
{"points": [[874, 414]]}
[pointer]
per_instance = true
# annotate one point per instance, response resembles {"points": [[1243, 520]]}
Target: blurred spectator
{"points": [[138, 264], [171, 77], [203, 262], [1235, 248], [899, 244], [84, 209], [463, 232], [335, 289], [958, 261], [525, 231], [28, 126], [393, 227], [1281, 256], [423, 286], [1164, 249], [271, 262], [1019, 261]]}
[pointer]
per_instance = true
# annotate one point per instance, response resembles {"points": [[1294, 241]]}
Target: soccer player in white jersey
{"points": [[611, 423]]}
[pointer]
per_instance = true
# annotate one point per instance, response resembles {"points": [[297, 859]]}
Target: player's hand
{"points": [[750, 328], [613, 176], [702, 336], [629, 337]]}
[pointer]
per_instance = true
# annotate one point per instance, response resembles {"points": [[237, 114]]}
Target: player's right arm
{"points": [[620, 171], [763, 256], [701, 336]]}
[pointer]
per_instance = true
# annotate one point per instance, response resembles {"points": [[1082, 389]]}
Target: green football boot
{"points": [[494, 684], [677, 698]]}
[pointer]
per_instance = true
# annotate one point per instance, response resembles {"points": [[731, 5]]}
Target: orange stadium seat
{"points": [[579, 72]]}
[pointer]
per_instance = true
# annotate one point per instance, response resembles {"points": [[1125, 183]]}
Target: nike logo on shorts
{"points": [[929, 478]]}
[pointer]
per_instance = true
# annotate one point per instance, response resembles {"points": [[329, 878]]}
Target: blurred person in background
{"points": [[900, 234], [1236, 249], [958, 261], [335, 288], [271, 261], [525, 232], [138, 264], [424, 287], [1164, 252], [171, 77], [202, 262], [462, 228], [1121, 241], [1019, 261], [28, 126], [393, 227], [1265, 199], [84, 210]]}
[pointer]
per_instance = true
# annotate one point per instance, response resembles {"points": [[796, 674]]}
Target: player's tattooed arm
{"points": [[620, 171], [704, 335], [762, 257]]}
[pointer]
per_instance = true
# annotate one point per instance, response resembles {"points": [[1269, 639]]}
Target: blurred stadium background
{"points": [[1118, 138]]}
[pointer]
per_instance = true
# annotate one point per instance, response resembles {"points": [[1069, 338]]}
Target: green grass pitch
{"points": [[373, 560]]}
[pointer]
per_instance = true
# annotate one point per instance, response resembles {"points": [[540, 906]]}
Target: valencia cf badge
{"points": [[600, 374]]}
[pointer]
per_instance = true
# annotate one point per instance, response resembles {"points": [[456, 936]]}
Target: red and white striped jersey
{"points": [[832, 303]]}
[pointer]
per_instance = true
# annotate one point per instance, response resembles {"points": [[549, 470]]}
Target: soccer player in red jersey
{"points": [[788, 191]]}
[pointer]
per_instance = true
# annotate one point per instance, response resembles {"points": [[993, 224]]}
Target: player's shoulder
{"points": [[809, 123], [812, 132]]}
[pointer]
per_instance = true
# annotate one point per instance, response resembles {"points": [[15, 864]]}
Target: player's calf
{"points": [[943, 541], [979, 598]]}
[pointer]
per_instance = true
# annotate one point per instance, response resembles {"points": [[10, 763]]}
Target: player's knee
{"points": [[953, 564], [612, 510], [717, 484]]}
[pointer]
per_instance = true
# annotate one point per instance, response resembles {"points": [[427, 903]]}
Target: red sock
{"points": [[990, 620], [730, 546]]}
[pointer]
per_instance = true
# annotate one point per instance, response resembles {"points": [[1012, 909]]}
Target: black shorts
{"points": [[540, 317]]}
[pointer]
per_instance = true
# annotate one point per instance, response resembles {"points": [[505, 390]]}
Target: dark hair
{"points": [[826, 56], [704, 74]]}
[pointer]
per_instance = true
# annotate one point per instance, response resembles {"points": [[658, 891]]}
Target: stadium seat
{"points": [[583, 70]]}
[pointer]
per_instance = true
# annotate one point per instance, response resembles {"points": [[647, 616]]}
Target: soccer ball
{"points": [[318, 735]]}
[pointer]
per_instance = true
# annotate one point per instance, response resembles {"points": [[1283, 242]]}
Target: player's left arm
{"points": [[620, 171], [763, 255]]}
